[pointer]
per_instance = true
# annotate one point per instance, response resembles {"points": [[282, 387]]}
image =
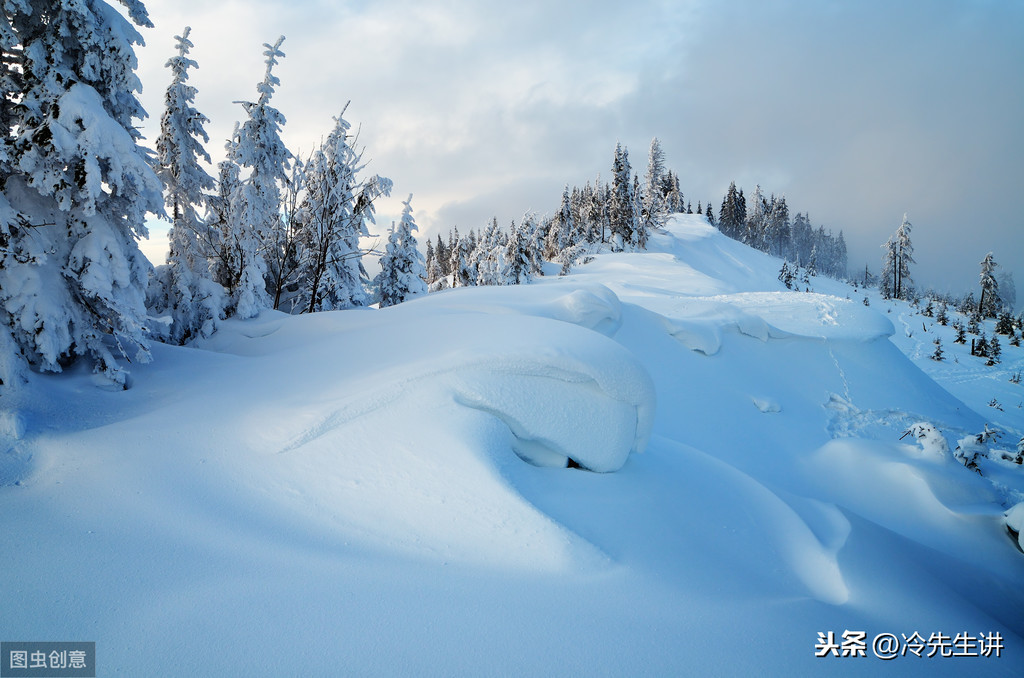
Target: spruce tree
{"points": [[193, 299], [653, 210], [337, 208], [258, 148], [988, 304], [76, 187], [995, 351], [624, 222], [402, 271]]}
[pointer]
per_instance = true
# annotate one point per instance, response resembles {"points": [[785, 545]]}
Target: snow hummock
{"points": [[455, 486]]}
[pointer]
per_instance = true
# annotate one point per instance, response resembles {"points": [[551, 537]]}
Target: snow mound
{"points": [[564, 393], [592, 306]]}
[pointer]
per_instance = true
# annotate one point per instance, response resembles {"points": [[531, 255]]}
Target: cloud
{"points": [[857, 112]]}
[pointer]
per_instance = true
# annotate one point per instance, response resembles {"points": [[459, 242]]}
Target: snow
{"points": [[385, 492]]}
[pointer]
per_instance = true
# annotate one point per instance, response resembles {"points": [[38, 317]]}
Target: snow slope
{"points": [[385, 492]]}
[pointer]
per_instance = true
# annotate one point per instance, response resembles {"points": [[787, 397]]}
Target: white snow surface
{"points": [[385, 492]]}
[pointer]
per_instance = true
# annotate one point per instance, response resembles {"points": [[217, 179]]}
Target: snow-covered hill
{"points": [[386, 492]]}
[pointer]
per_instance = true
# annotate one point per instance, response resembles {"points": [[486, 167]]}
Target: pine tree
{"points": [[462, 274], [988, 304], [443, 256], [517, 253], [973, 324], [258, 147], [430, 261], [653, 207], [1005, 323], [337, 207], [402, 271], [961, 335], [938, 354], [943, 315], [76, 187], [995, 351], [192, 298], [753, 229], [563, 227], [624, 222], [896, 282], [777, 227]]}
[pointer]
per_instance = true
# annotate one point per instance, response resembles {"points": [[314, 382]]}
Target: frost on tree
{"points": [[654, 208], [335, 213], [898, 255], [194, 301], [256, 202], [989, 303], [402, 272], [76, 186], [627, 229]]}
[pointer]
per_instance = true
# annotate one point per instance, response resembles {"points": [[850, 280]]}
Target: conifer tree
{"points": [[653, 210], [402, 271], [988, 304], [624, 219], [76, 187], [463, 274], [258, 148], [961, 334], [517, 253], [337, 208], [896, 281], [192, 298], [995, 351]]}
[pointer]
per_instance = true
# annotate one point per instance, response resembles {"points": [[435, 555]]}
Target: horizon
{"points": [[856, 114]]}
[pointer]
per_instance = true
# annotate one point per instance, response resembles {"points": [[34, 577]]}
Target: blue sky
{"points": [[856, 111]]}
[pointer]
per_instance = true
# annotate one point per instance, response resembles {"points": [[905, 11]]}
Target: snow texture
{"points": [[398, 482]]}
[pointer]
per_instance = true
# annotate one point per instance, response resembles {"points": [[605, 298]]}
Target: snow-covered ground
{"points": [[386, 492]]}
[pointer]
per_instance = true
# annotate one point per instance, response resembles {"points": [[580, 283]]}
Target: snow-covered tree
{"points": [[896, 282], [989, 303], [462, 273], [76, 186], [283, 253], [193, 299], [258, 147], [402, 273], [518, 255], [757, 216], [777, 227], [733, 215], [624, 215], [337, 208], [653, 208], [563, 228]]}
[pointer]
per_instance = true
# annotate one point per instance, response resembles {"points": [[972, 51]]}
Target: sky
{"points": [[857, 112]]}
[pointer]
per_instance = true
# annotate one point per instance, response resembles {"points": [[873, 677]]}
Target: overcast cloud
{"points": [[856, 111]]}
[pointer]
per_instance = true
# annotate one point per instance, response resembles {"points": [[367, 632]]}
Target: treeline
{"points": [[765, 224], [618, 215]]}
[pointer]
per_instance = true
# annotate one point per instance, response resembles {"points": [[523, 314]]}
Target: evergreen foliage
{"points": [[402, 269], [192, 298], [76, 188]]}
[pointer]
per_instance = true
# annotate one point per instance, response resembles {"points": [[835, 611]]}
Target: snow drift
{"points": [[349, 492]]}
